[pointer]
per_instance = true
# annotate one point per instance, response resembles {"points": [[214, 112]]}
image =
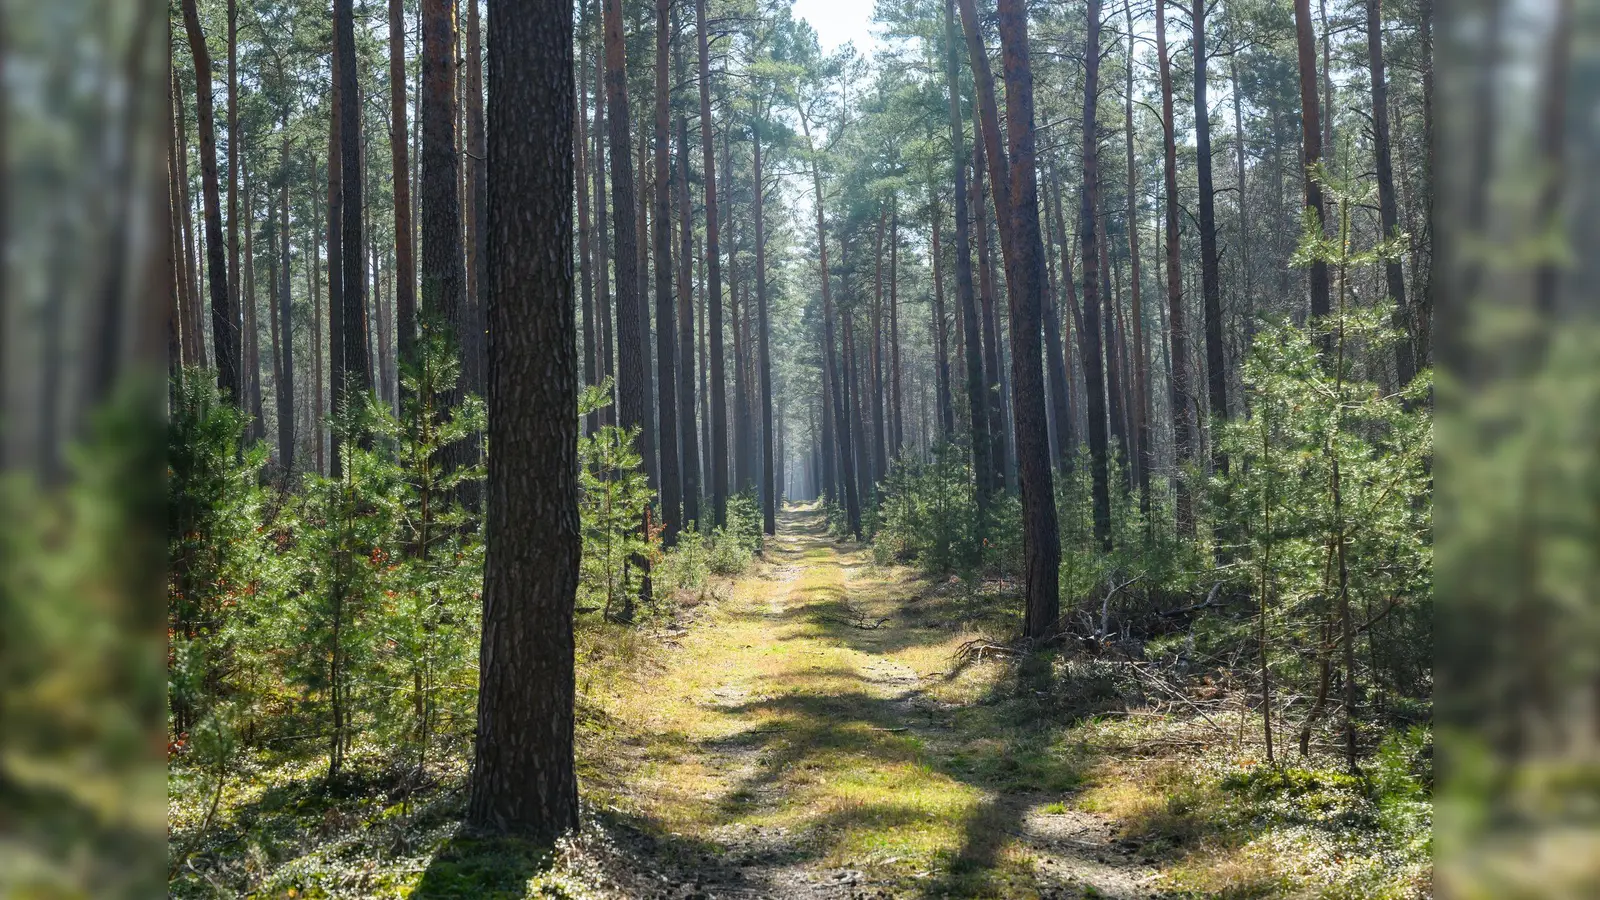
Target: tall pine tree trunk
{"points": [[1183, 428], [1088, 235], [224, 316], [633, 376], [1210, 279], [769, 500], [671, 481], [405, 285], [1311, 136], [523, 778], [1394, 272], [357, 362], [718, 449]]}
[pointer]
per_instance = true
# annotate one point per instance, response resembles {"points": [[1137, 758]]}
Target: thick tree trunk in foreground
{"points": [[224, 317], [523, 779]]}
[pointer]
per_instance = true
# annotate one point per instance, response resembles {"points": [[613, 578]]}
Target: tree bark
{"points": [[523, 777], [285, 320], [769, 500], [405, 285], [718, 449], [357, 361], [586, 256], [1088, 236], [686, 335], [224, 317], [1017, 205], [1139, 361], [1210, 280], [666, 301], [1394, 272], [830, 355], [474, 323], [1311, 137], [1183, 428], [982, 338], [633, 373], [896, 385]]}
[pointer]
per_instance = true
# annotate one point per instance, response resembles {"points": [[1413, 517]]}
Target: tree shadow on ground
{"points": [[468, 867]]}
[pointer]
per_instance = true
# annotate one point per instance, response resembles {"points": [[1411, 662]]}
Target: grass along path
{"points": [[813, 737]]}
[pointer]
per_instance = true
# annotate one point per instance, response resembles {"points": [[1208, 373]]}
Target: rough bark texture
{"points": [[718, 450], [224, 318], [523, 779]]}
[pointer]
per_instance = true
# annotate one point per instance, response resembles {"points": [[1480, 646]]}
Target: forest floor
{"points": [[821, 727], [818, 739]]}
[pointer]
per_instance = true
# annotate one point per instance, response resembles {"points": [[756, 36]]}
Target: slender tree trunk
{"points": [[251, 340], [1311, 136], [474, 339], [357, 362], [604, 329], [586, 260], [1016, 200], [769, 500], [941, 339], [1183, 429], [633, 373], [444, 275], [224, 318], [1088, 236], [686, 367], [705, 365], [235, 153], [830, 356], [666, 301], [1139, 360], [523, 777], [405, 285], [896, 384], [880, 453], [1404, 353], [194, 342], [718, 449], [983, 337], [318, 424], [285, 320], [1210, 280], [1055, 349]]}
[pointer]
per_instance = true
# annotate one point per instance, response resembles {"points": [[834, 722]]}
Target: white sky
{"points": [[839, 22]]}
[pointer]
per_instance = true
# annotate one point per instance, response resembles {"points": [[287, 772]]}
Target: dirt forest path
{"points": [[808, 737]]}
